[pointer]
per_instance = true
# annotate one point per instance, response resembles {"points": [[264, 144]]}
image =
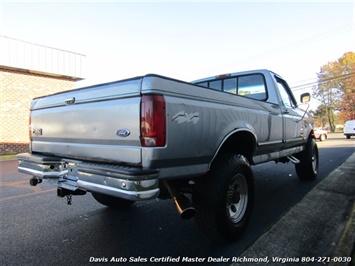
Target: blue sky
{"points": [[188, 40]]}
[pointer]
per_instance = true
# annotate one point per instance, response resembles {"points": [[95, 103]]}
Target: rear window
{"points": [[230, 85], [250, 86], [216, 85]]}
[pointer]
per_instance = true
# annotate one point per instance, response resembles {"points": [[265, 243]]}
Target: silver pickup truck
{"points": [[153, 136]]}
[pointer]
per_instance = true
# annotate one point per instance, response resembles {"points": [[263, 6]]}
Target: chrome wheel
{"points": [[314, 161], [237, 198]]}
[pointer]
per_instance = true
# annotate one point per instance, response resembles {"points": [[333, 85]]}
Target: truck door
{"points": [[293, 127]]}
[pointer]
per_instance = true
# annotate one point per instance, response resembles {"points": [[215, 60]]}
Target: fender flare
{"points": [[229, 136]]}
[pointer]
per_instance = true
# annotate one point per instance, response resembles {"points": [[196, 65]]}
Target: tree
{"points": [[320, 116], [336, 88], [347, 85], [327, 92]]}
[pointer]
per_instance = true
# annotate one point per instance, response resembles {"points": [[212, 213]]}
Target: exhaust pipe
{"points": [[182, 203]]}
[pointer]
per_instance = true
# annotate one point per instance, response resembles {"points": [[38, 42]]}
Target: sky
{"points": [[188, 40]]}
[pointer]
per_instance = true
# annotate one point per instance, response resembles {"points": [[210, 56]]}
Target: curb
{"points": [[346, 246]]}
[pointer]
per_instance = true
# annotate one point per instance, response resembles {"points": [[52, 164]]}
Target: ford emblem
{"points": [[123, 132]]}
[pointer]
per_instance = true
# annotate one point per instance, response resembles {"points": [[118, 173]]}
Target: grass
{"points": [[7, 157]]}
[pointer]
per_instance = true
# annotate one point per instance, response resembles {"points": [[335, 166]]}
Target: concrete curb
{"points": [[346, 246], [317, 230]]}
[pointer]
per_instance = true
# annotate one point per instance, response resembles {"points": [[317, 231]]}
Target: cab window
{"points": [[252, 86], [230, 85], [216, 85], [286, 99]]}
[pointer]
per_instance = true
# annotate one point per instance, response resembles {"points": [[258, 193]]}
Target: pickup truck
{"points": [[156, 137]]}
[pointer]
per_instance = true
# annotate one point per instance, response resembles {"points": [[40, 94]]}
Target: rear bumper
{"points": [[114, 180]]}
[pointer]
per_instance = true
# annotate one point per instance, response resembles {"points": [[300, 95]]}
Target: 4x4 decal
{"points": [[182, 117]]}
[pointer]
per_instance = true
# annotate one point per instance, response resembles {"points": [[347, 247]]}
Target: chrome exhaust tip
{"points": [[182, 203]]}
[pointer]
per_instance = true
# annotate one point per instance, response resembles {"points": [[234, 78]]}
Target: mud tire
{"points": [[307, 169], [224, 198]]}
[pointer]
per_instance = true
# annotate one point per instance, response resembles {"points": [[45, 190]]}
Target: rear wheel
{"points": [[322, 137], [112, 202], [307, 168], [223, 198]]}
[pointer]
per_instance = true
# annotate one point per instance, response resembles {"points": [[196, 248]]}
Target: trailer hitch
{"points": [[62, 192]]}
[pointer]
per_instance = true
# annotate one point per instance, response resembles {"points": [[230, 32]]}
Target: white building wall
{"points": [[40, 59]]}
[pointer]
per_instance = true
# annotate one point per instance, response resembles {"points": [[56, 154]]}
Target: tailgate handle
{"points": [[70, 101]]}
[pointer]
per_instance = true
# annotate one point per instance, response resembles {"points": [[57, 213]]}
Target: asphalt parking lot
{"points": [[293, 219]]}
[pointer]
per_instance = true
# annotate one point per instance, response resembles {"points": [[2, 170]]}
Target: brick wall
{"points": [[17, 89]]}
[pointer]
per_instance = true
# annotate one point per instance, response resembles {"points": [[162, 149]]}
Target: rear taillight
{"points": [[153, 121]]}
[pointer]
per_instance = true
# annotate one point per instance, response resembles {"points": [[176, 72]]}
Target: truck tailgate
{"points": [[97, 123]]}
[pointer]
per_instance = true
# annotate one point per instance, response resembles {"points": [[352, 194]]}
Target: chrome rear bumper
{"points": [[114, 180]]}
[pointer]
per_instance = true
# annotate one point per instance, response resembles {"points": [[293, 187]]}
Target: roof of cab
{"points": [[263, 71]]}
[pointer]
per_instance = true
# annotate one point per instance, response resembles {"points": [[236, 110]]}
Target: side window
{"points": [[285, 97], [230, 85], [252, 86]]}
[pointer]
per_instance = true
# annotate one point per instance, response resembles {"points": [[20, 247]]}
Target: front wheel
{"points": [[307, 168], [112, 202], [223, 198]]}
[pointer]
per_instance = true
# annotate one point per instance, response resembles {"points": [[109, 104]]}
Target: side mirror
{"points": [[305, 97]]}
